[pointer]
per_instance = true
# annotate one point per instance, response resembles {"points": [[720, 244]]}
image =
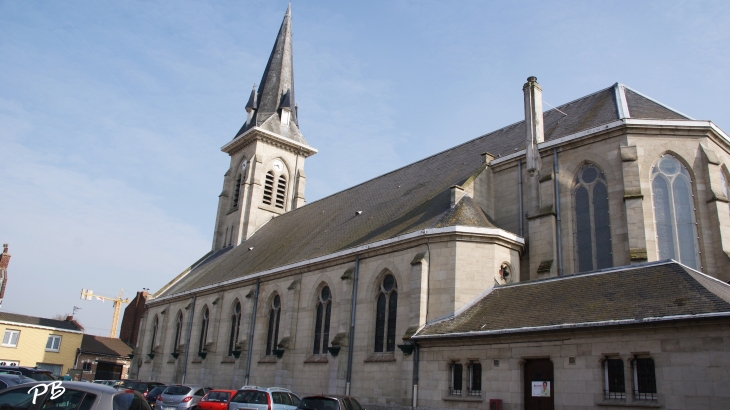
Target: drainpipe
{"points": [[415, 373], [519, 195], [250, 335], [351, 336], [187, 338], [557, 211]]}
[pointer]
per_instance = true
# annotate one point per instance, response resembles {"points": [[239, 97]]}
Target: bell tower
{"points": [[266, 175]]}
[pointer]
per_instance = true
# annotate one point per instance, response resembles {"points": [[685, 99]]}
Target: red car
{"points": [[216, 400]]}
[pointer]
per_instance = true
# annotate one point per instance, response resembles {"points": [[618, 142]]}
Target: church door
{"points": [[539, 385]]}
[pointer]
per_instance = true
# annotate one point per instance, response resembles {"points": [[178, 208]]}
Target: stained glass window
{"points": [[591, 220]]}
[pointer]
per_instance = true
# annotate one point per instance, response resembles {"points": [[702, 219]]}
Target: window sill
{"points": [[381, 357], [646, 404], [53, 351], [462, 398], [317, 358], [14, 347]]}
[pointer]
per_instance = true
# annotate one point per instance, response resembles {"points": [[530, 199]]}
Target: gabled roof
{"points": [[41, 321], [107, 346], [664, 290], [406, 200]]}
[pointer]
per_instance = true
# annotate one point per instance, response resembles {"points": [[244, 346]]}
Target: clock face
{"points": [[278, 166]]}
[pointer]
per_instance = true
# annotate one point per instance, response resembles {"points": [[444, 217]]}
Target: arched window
{"points": [[236, 192], [203, 330], [268, 187], [178, 331], [273, 336], [723, 181], [322, 322], [281, 192], [592, 225], [674, 216], [153, 342], [235, 327], [387, 305]]}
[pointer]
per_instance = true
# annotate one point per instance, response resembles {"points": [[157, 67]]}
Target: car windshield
{"points": [[157, 390], [177, 390], [318, 403], [129, 401], [220, 396]]}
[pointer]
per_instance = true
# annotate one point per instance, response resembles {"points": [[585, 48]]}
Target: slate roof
{"points": [[406, 200], [631, 294], [40, 321], [107, 346]]}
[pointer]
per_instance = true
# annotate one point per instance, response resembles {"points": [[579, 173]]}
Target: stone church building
{"points": [[576, 259]]}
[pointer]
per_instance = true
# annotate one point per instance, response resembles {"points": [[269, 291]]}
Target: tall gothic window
{"points": [[272, 338], [236, 192], [674, 216], [178, 331], [268, 187], [592, 225], [386, 307], [235, 328], [155, 324], [322, 322], [723, 181], [281, 192], [203, 330]]}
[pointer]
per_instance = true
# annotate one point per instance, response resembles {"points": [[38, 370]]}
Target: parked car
{"points": [[216, 400], [262, 398], [33, 372], [181, 396], [76, 395], [12, 380], [329, 402], [152, 395], [140, 386]]}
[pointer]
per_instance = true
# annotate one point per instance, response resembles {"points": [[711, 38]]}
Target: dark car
{"points": [[68, 395], [12, 380], [329, 402], [33, 372], [153, 394], [140, 386]]}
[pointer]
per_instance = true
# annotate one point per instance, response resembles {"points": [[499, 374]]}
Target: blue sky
{"points": [[112, 114]]}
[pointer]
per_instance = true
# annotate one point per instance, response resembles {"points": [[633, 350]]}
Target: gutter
{"points": [[351, 336]]}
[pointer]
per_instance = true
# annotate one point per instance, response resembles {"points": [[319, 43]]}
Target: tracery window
{"points": [[268, 187], [281, 192], [155, 323], [322, 322], [591, 223], [272, 339], [386, 309], [674, 216], [236, 192], [178, 331], [235, 328], [203, 330]]}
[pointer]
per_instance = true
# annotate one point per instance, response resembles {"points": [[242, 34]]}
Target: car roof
{"points": [[15, 376], [265, 388], [225, 390], [192, 386], [35, 369], [327, 396]]}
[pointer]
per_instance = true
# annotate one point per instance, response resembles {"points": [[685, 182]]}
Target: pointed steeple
{"points": [[276, 90]]}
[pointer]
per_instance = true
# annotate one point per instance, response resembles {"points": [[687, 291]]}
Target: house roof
{"points": [[40, 321], [108, 346], [406, 200], [649, 292]]}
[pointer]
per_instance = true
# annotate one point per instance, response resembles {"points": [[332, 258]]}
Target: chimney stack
{"points": [[534, 131]]}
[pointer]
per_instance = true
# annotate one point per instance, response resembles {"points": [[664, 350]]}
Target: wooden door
{"points": [[539, 385]]}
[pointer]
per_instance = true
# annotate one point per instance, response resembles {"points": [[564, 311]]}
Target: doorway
{"points": [[539, 385], [108, 371]]}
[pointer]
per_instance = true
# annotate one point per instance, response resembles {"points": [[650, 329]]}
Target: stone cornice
{"points": [[260, 134]]}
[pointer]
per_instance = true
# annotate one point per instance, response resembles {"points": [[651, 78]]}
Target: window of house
{"points": [[272, 339], [455, 384], [386, 309], [86, 366], [475, 379], [281, 192], [203, 330], [644, 379], [674, 212], [235, 328], [613, 376], [10, 339], [53, 344], [592, 226], [236, 192], [153, 341], [322, 322], [178, 331], [268, 187]]}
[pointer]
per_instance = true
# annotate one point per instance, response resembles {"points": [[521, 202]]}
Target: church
{"points": [[576, 259]]}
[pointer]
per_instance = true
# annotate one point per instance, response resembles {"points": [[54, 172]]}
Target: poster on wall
{"points": [[541, 389]]}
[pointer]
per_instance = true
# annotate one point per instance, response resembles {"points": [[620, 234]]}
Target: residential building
{"points": [[103, 358]]}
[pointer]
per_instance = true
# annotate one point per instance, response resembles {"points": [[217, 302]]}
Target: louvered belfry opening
{"points": [[281, 192], [268, 188]]}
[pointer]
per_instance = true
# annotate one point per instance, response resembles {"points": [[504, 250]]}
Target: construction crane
{"points": [[88, 294]]}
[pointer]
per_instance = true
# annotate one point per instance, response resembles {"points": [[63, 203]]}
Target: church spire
{"points": [[275, 98]]}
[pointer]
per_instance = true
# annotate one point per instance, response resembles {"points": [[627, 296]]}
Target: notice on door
{"points": [[541, 389]]}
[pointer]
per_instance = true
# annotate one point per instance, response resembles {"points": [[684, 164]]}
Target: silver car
{"points": [[263, 398], [68, 395], [180, 397]]}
